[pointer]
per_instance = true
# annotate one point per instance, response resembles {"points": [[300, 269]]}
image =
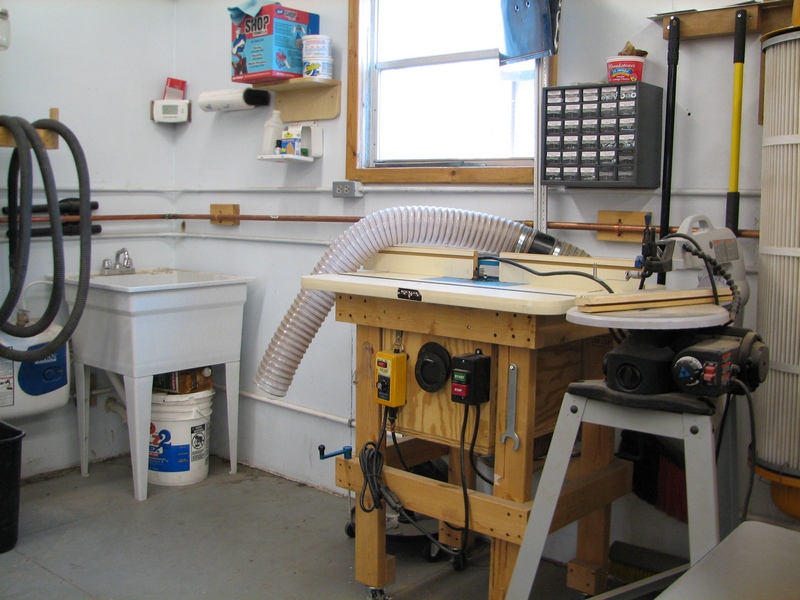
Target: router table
{"points": [[413, 296]]}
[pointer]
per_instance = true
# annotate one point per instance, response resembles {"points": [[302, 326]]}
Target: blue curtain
{"points": [[530, 29]]}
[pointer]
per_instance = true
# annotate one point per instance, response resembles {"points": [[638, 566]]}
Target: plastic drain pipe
{"points": [[423, 225]]}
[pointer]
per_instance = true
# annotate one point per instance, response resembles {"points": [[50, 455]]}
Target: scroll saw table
{"points": [[523, 329]]}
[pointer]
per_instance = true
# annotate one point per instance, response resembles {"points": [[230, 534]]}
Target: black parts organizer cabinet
{"points": [[602, 135]]}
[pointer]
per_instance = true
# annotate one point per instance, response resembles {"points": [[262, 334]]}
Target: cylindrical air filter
{"points": [[778, 407]]}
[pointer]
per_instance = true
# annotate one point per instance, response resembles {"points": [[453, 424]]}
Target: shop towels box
{"points": [[267, 46]]}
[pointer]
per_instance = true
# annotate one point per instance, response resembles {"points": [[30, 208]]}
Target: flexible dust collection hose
{"points": [[20, 179], [422, 225]]}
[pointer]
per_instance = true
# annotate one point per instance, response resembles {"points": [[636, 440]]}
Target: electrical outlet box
{"points": [[471, 378], [347, 189], [390, 375]]}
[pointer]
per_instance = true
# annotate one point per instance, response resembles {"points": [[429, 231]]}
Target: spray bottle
{"points": [[273, 131]]}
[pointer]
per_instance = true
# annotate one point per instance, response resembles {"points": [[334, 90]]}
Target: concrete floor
{"points": [[249, 535]]}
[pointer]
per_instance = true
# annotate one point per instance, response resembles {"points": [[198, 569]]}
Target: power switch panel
{"points": [[471, 378], [390, 375]]}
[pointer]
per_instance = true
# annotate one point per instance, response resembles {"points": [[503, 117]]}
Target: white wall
{"points": [[102, 62]]}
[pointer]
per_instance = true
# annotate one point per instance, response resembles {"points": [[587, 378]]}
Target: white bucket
{"points": [[316, 46], [180, 426], [318, 67]]}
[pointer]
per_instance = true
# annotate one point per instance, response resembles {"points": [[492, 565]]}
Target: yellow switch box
{"points": [[390, 378]]}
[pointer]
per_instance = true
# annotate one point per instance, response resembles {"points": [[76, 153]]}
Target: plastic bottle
{"points": [[273, 130]]}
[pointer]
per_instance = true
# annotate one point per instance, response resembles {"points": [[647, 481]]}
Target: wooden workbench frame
{"points": [[549, 353]]}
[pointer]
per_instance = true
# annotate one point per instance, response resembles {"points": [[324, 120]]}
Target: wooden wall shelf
{"points": [[50, 138], [305, 98], [762, 17]]}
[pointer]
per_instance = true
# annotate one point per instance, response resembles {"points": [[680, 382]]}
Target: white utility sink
{"points": [[150, 322]]}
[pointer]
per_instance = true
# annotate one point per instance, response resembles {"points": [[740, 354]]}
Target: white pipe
{"points": [[350, 422], [400, 225]]}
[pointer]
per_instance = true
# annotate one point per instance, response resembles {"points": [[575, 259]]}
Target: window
{"points": [[427, 100]]}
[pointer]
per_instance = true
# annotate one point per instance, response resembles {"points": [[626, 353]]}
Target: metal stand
{"points": [[608, 408]]}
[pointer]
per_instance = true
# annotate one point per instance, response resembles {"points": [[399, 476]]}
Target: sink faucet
{"points": [[123, 263]]}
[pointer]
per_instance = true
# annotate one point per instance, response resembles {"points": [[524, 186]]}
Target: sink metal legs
{"points": [[138, 398]]}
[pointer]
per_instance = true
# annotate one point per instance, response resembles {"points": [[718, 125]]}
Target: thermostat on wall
{"points": [[171, 111]]}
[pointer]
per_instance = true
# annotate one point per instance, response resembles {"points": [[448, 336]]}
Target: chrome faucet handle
{"points": [[123, 259]]}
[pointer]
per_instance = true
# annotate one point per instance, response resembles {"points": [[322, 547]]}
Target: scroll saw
{"points": [[701, 362]]}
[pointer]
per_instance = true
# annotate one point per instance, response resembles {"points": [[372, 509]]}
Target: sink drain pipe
{"points": [[20, 187], [419, 225]]}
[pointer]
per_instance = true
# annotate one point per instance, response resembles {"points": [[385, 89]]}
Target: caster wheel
{"points": [[432, 553], [460, 563], [378, 594], [350, 529]]}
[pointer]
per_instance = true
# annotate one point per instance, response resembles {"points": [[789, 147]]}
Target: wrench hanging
{"points": [[511, 408]]}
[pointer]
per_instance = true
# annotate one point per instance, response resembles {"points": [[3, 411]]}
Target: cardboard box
{"points": [[268, 46], [184, 382]]}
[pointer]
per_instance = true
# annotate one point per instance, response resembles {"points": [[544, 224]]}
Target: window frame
{"points": [[411, 174]]}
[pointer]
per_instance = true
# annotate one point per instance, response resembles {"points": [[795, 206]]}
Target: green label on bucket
{"points": [[164, 456]]}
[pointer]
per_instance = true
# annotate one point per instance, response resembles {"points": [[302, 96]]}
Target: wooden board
{"points": [[620, 217], [505, 328], [649, 299], [50, 138], [429, 262]]}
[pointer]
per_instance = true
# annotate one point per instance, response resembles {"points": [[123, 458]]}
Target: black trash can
{"points": [[10, 470]]}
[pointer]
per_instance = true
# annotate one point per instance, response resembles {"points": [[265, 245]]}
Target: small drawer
{"points": [[569, 158], [626, 108], [608, 142], [590, 142], [607, 157], [608, 126], [627, 141], [569, 173], [608, 109], [552, 173], [627, 92], [554, 111], [606, 174], [570, 142], [591, 110], [572, 111], [590, 126], [552, 158], [555, 96], [608, 94], [553, 142]]}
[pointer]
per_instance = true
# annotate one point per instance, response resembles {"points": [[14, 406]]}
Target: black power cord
{"points": [[372, 460], [751, 412], [527, 269], [472, 446], [712, 268]]}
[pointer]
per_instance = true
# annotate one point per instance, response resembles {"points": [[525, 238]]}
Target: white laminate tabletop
{"points": [[674, 317], [449, 291]]}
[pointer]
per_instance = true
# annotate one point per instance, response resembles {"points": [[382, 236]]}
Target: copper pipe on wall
{"points": [[618, 228], [563, 225]]}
